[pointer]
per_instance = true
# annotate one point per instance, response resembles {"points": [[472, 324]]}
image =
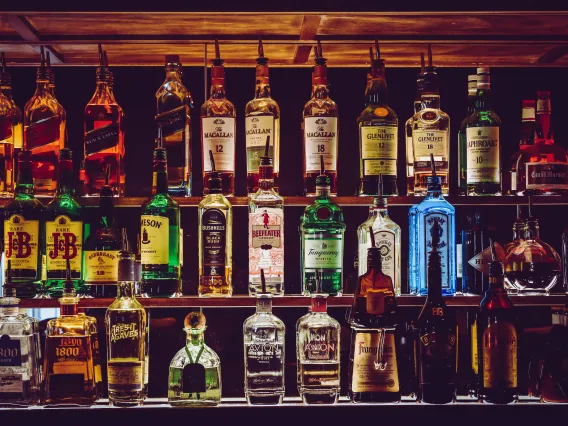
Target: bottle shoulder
{"points": [[317, 320], [431, 119], [218, 108], [64, 205], [320, 107], [262, 106], [483, 118], [378, 116], [68, 325], [264, 198], [159, 201], [215, 201], [263, 320], [440, 205]]}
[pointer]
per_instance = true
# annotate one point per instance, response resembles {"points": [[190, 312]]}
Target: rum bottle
{"points": [[408, 129], [7, 136], [462, 134], [17, 118]]}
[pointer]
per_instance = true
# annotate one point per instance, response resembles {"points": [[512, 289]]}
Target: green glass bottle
{"points": [[63, 230], [321, 229], [159, 231], [22, 231]]}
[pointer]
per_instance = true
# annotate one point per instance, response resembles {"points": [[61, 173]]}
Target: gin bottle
{"points": [[321, 230], [433, 209], [195, 371], [266, 231], [264, 335], [408, 129]]}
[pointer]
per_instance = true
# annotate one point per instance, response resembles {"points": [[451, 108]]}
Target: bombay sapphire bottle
{"points": [[434, 208]]}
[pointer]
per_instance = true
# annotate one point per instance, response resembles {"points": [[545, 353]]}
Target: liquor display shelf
{"points": [[242, 301]]}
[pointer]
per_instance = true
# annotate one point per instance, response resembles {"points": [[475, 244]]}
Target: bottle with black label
{"points": [[215, 215]]}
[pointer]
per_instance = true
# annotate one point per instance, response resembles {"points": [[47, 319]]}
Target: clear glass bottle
{"points": [[528, 132], [266, 231], [195, 371], [408, 129], [262, 119], [173, 103], [318, 354], [462, 134], [7, 136], [17, 117]]}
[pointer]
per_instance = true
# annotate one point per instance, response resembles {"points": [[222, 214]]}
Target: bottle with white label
{"points": [[483, 151], [408, 129], [462, 136]]}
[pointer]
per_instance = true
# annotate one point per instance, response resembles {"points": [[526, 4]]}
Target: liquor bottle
{"points": [[436, 347], [519, 228], [318, 354], [7, 136], [215, 241], [96, 348], [17, 118], [387, 238], [126, 340], [418, 105], [553, 382], [63, 229], [430, 134], [195, 371], [173, 103], [262, 119], [378, 133], [528, 132], [44, 132], [104, 135], [320, 126], [321, 232], [20, 378], [373, 367], [68, 368], [497, 342], [433, 209], [23, 223], [462, 134], [264, 336], [159, 230], [218, 130]]}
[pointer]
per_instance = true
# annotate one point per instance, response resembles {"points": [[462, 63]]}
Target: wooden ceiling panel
{"points": [[5, 27], [19, 53]]}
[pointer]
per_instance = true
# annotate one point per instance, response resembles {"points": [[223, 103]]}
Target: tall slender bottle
{"points": [[320, 126], [173, 103], [462, 136], [262, 119], [218, 129], [517, 185], [7, 135], [17, 117], [408, 129]]}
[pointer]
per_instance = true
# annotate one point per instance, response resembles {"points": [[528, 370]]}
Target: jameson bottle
{"points": [[23, 219], [63, 229], [159, 231]]}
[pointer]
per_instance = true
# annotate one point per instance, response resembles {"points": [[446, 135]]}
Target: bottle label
{"points": [[551, 175], [474, 349], [323, 251], [154, 240], [500, 355], [483, 162], [18, 136], [379, 147], [122, 331], [266, 241], [101, 266], [104, 136], [374, 363], [10, 352], [126, 376], [321, 344], [385, 240], [264, 356], [437, 357], [513, 181], [71, 353], [483, 259], [11, 383], [21, 244], [219, 138], [173, 121], [257, 128], [214, 241], [42, 132], [320, 136], [64, 240], [426, 142], [443, 243], [528, 114], [194, 378]]}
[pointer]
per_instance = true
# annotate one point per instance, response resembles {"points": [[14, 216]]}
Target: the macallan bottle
{"points": [[320, 126], [218, 131]]}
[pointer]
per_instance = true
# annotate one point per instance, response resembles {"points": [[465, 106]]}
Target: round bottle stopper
{"points": [[194, 320]]}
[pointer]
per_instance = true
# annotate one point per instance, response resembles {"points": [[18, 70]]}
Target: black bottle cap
{"points": [[172, 59], [318, 57]]}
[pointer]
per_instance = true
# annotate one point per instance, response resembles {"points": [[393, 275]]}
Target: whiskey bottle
{"points": [[321, 232], [173, 102], [462, 134], [23, 234], [408, 129], [436, 329], [430, 134], [320, 126], [373, 367], [44, 132], [266, 231], [215, 241], [378, 133], [318, 354], [218, 130], [63, 230], [195, 371], [7, 136], [528, 131], [159, 230], [262, 119], [553, 381], [17, 118], [126, 340]]}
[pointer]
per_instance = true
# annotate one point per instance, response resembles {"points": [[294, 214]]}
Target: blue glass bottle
{"points": [[421, 219]]}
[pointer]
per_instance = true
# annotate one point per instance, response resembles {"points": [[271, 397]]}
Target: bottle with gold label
{"points": [[6, 90], [126, 326], [373, 367], [63, 229], [23, 219]]}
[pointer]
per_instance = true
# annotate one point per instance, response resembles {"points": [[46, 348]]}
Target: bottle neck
{"points": [[431, 100], [379, 211], [42, 88], [173, 73], [266, 184], [322, 191], [65, 181], [532, 230], [106, 211], [160, 178], [195, 338], [319, 305], [262, 90], [434, 277], [6, 91], [25, 184], [496, 283], [320, 91], [69, 309], [264, 305], [377, 92], [471, 102], [125, 289], [483, 102], [519, 231]]}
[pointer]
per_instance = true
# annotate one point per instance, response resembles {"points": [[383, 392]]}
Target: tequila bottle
{"points": [[173, 102], [7, 136], [23, 234], [195, 371], [321, 232], [462, 134], [218, 130], [266, 231], [262, 119], [320, 126], [17, 118], [378, 133], [408, 129], [318, 354]]}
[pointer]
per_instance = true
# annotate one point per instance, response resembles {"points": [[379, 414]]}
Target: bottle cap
{"points": [[195, 321], [172, 59], [380, 201], [261, 60], [377, 64], [69, 285], [472, 83], [483, 78]]}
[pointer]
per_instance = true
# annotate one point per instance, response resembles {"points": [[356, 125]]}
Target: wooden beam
{"points": [[309, 30], [26, 30], [553, 55]]}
